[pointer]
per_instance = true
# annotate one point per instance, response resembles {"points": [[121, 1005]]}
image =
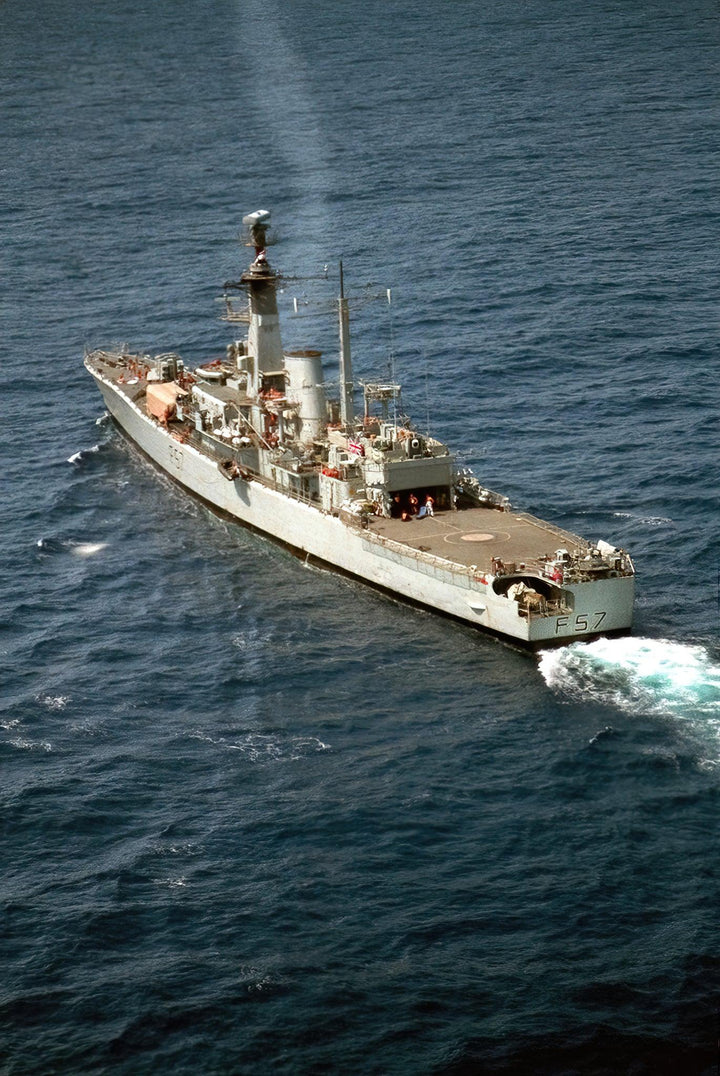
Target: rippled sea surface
{"points": [[256, 818]]}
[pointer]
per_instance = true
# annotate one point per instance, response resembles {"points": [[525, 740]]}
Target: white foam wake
{"points": [[77, 457], [78, 549], [87, 549], [649, 676]]}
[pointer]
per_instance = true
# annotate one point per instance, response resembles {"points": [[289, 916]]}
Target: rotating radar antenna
{"points": [[255, 231]]}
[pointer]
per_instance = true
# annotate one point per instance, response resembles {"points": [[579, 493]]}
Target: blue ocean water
{"points": [[256, 818]]}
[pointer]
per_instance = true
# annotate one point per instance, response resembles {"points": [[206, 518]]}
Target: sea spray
{"points": [[640, 676]]}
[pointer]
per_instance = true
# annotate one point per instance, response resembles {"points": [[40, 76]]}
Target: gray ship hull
{"points": [[600, 606]]}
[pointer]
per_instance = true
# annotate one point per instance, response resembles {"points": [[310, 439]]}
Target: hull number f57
{"points": [[582, 622]]}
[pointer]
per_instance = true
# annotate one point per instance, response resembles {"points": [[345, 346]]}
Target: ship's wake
{"points": [[641, 676], [82, 454], [50, 546]]}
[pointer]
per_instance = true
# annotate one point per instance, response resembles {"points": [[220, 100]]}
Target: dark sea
{"points": [[255, 817]]}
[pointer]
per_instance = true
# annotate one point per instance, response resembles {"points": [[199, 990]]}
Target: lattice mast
{"points": [[347, 407]]}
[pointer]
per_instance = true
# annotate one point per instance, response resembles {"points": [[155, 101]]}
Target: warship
{"points": [[255, 435]]}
